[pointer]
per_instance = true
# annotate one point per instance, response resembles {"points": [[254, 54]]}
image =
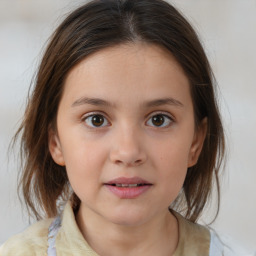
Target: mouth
{"points": [[128, 185], [128, 188], [128, 182]]}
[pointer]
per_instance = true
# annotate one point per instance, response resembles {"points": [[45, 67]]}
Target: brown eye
{"points": [[159, 120], [96, 120]]}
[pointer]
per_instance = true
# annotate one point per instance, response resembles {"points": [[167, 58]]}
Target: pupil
{"points": [[97, 120], [158, 120]]}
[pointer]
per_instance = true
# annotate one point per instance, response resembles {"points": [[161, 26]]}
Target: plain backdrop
{"points": [[227, 29]]}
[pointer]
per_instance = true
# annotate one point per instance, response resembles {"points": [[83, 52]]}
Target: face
{"points": [[126, 133]]}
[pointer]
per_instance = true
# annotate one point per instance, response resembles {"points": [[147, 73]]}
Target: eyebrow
{"points": [[91, 101], [164, 101], [104, 103]]}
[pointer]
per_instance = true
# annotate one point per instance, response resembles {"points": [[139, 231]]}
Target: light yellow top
{"points": [[194, 240]]}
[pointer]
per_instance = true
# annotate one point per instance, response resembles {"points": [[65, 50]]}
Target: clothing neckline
{"points": [[193, 239]]}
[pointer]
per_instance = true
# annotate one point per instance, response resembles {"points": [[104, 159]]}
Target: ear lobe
{"points": [[55, 147], [198, 143]]}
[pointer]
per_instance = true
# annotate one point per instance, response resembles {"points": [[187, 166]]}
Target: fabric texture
{"points": [[62, 237]]}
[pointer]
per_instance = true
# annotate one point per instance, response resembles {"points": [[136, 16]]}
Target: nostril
{"points": [[127, 157], [118, 161]]}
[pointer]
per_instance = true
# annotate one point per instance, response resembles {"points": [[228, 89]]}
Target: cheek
{"points": [[81, 150], [174, 168], [173, 152], [84, 162], [172, 162]]}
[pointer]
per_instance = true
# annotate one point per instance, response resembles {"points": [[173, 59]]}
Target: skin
{"points": [[127, 144]]}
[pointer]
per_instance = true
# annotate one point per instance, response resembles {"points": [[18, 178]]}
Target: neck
{"points": [[158, 236]]}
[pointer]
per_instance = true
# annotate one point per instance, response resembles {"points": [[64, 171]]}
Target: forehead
{"points": [[130, 71]]}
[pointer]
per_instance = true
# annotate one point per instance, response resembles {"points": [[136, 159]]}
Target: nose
{"points": [[127, 148]]}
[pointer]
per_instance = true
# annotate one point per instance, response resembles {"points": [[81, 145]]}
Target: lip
{"points": [[126, 180], [128, 192]]}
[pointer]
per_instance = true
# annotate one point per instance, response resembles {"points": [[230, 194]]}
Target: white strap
{"points": [[225, 246], [216, 246], [52, 234]]}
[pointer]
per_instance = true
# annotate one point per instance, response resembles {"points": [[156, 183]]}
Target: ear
{"points": [[198, 142], [55, 147]]}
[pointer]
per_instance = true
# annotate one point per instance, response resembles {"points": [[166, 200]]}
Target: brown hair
{"points": [[88, 29]]}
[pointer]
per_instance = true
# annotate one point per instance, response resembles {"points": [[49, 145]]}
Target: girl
{"points": [[122, 129]]}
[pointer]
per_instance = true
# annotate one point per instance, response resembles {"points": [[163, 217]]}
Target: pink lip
{"points": [[128, 192], [124, 180]]}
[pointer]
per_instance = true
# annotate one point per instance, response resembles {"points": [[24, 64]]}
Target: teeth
{"points": [[127, 185]]}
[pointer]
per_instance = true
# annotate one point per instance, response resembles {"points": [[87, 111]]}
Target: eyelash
{"points": [[167, 118]]}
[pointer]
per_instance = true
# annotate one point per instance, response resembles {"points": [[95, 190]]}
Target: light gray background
{"points": [[228, 32]]}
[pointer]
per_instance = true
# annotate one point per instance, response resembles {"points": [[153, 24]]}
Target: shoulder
{"points": [[194, 239], [33, 241]]}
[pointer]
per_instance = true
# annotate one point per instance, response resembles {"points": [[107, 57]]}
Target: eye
{"points": [[96, 120], [159, 120]]}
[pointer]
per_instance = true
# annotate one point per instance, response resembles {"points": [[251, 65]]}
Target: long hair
{"points": [[92, 27]]}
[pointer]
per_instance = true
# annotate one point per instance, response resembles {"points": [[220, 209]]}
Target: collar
{"points": [[194, 239]]}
